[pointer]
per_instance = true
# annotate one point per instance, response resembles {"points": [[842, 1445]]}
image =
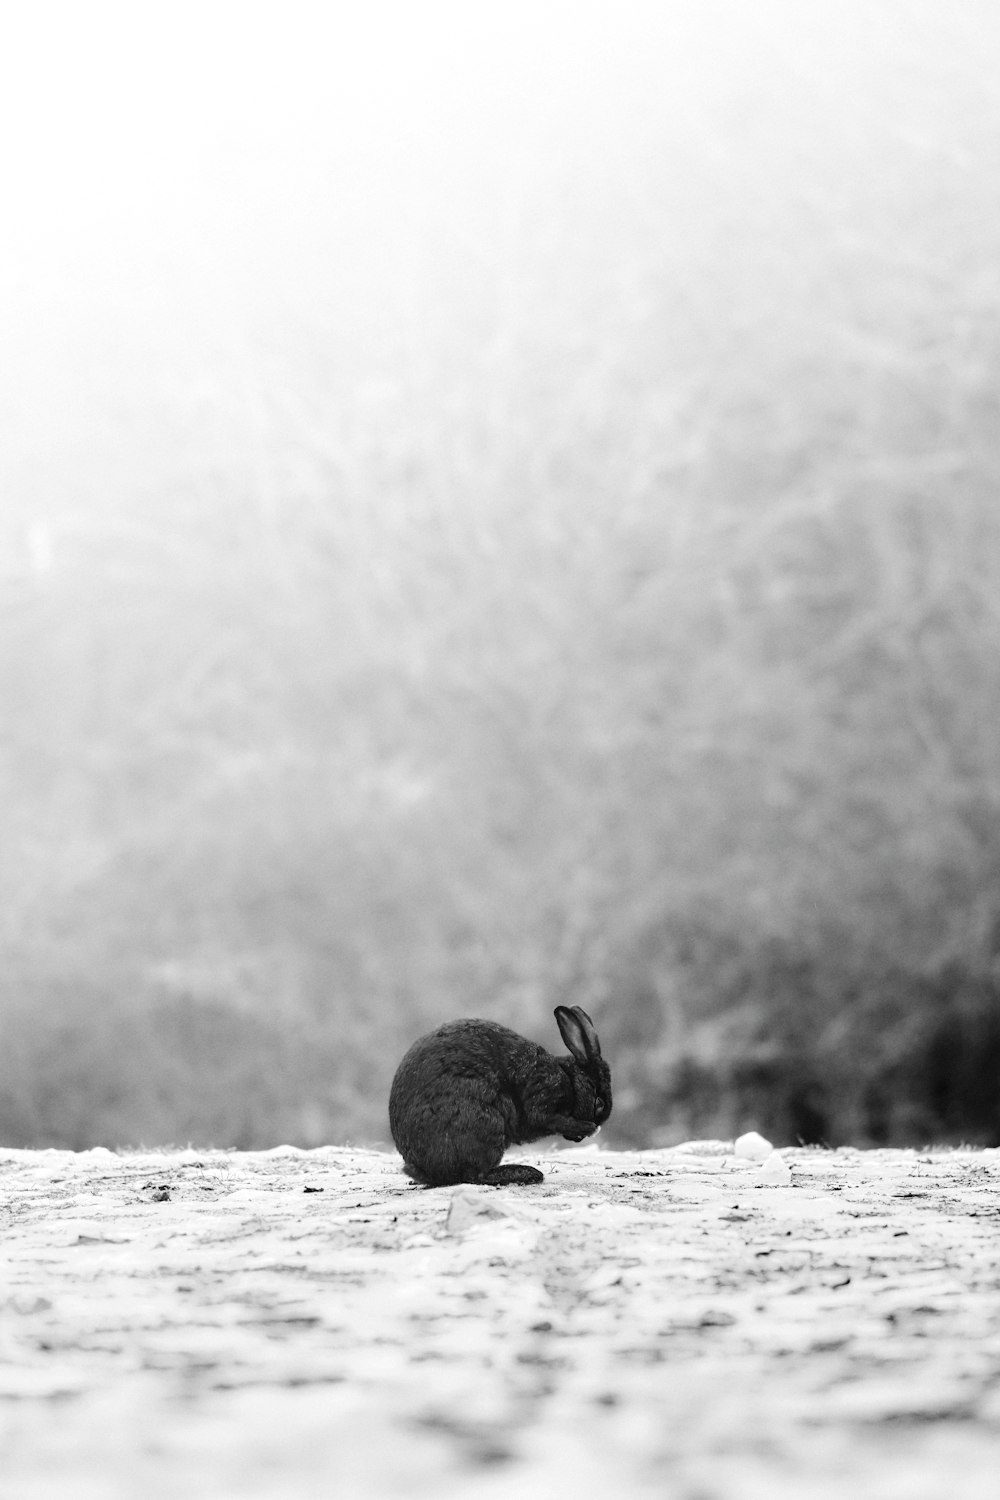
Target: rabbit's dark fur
{"points": [[470, 1089]]}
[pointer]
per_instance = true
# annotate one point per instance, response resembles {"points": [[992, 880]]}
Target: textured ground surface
{"points": [[669, 1323]]}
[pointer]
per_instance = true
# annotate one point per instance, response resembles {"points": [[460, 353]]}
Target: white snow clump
{"points": [[752, 1147]]}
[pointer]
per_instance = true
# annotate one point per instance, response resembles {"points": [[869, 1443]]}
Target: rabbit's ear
{"points": [[577, 1031]]}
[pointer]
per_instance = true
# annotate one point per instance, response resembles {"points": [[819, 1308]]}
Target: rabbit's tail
{"points": [[513, 1173]]}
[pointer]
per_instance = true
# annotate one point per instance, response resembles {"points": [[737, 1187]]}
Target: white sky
{"points": [[214, 155], [119, 119]]}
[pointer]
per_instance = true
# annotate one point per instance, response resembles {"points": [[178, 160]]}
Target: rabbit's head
{"points": [[587, 1074]]}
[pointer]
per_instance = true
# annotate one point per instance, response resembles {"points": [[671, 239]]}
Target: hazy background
{"points": [[499, 506]]}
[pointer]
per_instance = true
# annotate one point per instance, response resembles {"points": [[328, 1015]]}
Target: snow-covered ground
{"points": [[681, 1322]]}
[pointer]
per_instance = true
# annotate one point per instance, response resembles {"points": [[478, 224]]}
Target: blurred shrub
{"points": [[807, 1056], [182, 1072]]}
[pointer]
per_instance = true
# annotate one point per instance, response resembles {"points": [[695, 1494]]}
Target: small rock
{"points": [[752, 1147], [469, 1208], [715, 1318]]}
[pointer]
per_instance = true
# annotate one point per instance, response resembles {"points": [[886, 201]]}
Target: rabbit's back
{"points": [[468, 1049]]}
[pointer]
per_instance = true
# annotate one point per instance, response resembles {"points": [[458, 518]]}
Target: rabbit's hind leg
{"points": [[514, 1173]]}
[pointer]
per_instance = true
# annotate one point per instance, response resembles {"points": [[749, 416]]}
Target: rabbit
{"points": [[467, 1091]]}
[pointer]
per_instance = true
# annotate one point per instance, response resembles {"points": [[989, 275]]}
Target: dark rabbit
{"points": [[464, 1093]]}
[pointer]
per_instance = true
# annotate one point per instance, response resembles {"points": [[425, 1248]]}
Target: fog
{"points": [[498, 508]]}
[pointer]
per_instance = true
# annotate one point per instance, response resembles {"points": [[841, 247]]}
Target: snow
{"points": [[774, 1168], [753, 1146], [679, 1322]]}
